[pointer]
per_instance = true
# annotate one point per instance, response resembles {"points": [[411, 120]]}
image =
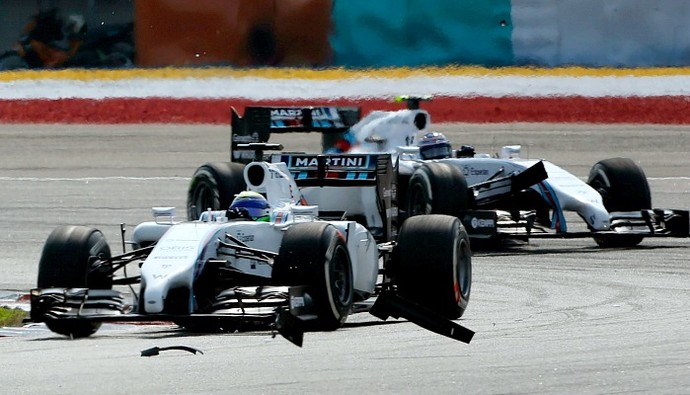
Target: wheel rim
{"points": [[204, 198], [463, 274], [342, 281], [419, 204]]}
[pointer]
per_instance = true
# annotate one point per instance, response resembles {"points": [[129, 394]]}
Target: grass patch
{"points": [[11, 317]]}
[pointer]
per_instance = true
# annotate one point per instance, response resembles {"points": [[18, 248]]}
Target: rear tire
{"points": [[623, 186], [437, 188], [314, 254], [435, 264], [213, 186], [66, 262]]}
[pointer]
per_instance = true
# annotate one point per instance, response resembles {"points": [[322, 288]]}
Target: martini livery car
{"points": [[498, 198], [290, 266]]}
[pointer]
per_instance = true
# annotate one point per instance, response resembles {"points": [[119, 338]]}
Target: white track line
{"points": [[367, 87]]}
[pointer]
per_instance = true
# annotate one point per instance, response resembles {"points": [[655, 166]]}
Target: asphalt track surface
{"points": [[554, 316]]}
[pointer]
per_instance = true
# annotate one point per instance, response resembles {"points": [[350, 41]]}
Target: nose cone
{"points": [[154, 296], [598, 218]]}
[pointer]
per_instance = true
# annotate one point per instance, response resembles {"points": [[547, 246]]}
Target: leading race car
{"points": [[497, 198], [271, 261]]}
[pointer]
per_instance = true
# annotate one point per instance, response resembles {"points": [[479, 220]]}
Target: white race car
{"points": [[301, 269], [497, 198]]}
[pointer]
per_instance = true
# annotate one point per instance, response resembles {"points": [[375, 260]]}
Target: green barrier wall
{"points": [[383, 33]]}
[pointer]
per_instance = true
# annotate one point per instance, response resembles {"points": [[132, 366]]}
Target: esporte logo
{"points": [[482, 223]]}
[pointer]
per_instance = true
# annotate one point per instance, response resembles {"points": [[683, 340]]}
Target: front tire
{"points": [[67, 261], [213, 186], [434, 266], [437, 188], [315, 254], [623, 186]]}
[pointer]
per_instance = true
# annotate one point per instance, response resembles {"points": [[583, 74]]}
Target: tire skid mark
{"points": [[559, 301]]}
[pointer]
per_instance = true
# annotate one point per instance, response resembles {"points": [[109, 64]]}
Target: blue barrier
{"points": [[385, 33]]}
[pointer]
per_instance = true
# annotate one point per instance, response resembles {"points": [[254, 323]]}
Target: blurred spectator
{"points": [[50, 41]]}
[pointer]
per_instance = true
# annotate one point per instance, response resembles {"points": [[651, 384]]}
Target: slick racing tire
{"points": [[314, 254], [623, 186], [213, 186], [437, 188], [67, 261], [434, 264]]}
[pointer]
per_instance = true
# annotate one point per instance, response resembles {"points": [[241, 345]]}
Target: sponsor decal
{"points": [[317, 114], [168, 257], [243, 237], [176, 247], [275, 174], [286, 113], [344, 162], [245, 138], [296, 301], [482, 223], [471, 171]]}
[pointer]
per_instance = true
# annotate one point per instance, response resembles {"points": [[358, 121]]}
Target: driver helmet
{"points": [[434, 145], [251, 204]]}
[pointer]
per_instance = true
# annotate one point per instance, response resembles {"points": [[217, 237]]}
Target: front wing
{"points": [[492, 225], [284, 310]]}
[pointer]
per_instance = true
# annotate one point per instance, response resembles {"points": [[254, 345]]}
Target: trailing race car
{"points": [[497, 198], [271, 261]]}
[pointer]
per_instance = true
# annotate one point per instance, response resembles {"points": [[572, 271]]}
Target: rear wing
{"points": [[257, 124], [348, 170]]}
